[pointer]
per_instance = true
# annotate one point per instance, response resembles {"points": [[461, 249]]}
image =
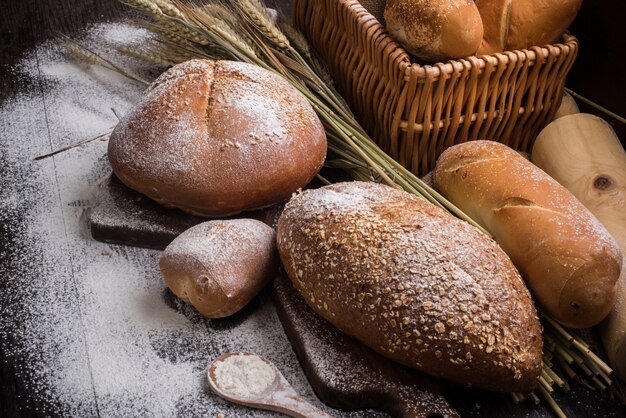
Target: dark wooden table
{"points": [[24, 24]]}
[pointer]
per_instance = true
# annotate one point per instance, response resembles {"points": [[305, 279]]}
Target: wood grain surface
{"points": [[26, 23]]}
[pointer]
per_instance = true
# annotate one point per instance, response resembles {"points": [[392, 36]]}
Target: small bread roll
{"points": [[215, 138], [568, 259], [219, 266], [435, 30]]}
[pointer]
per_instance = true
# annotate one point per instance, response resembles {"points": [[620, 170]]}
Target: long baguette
{"points": [[568, 259]]}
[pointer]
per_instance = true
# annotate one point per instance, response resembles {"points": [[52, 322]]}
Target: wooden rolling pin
{"points": [[582, 152], [568, 106]]}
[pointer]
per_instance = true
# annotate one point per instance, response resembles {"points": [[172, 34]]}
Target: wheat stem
{"points": [[596, 106], [168, 8], [555, 407], [84, 53], [74, 145], [146, 55]]}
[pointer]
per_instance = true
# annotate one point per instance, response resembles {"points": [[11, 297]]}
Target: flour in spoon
{"points": [[244, 375]]}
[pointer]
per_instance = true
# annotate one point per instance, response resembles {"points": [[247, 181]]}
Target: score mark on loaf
{"points": [[413, 283], [519, 24]]}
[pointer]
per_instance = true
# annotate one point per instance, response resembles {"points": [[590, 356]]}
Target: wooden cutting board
{"points": [[120, 215]]}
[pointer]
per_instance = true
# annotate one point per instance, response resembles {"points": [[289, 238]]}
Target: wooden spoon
{"points": [[278, 396]]}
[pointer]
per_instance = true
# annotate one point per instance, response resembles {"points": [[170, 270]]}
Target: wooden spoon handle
{"points": [[299, 408], [286, 400]]}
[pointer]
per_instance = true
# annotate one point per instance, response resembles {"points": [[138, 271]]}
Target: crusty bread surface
{"points": [[219, 266], [539, 22], [568, 259], [218, 137], [435, 31], [413, 283], [495, 15]]}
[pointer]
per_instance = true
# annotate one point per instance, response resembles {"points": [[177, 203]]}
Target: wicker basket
{"points": [[416, 111]]}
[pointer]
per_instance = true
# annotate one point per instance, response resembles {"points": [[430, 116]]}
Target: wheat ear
{"points": [[255, 12]]}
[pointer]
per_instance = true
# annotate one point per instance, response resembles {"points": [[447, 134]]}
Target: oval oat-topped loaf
{"points": [[218, 137], [413, 283]]}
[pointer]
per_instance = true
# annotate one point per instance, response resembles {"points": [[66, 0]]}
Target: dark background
{"points": [[599, 74]]}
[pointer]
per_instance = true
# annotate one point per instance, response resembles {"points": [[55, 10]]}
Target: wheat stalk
{"points": [[103, 137], [218, 31], [149, 7], [596, 106], [85, 54], [168, 8], [220, 12], [183, 31], [175, 38], [296, 38], [149, 56]]}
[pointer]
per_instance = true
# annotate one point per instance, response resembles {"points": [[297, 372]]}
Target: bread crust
{"points": [[413, 283], [521, 24], [568, 259], [219, 266], [539, 22], [435, 31], [495, 15], [215, 138]]}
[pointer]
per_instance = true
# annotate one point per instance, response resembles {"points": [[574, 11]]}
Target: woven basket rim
{"points": [[434, 70]]}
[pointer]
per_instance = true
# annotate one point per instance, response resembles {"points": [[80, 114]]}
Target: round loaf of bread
{"points": [[568, 259], [413, 283], [435, 31], [218, 137], [219, 266]]}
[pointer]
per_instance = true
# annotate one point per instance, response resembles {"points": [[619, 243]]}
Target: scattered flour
{"points": [[89, 328]]}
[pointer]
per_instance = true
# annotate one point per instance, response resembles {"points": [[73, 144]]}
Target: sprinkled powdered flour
{"points": [[89, 328]]}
